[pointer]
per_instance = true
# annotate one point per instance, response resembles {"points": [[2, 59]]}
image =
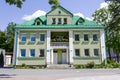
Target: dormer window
{"points": [[53, 20], [38, 22], [80, 21], [65, 20], [59, 21]]}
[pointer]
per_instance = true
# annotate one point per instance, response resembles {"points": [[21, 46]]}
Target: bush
{"points": [[79, 66], [90, 65], [24, 65]]}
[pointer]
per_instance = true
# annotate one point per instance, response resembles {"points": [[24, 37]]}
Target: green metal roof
{"points": [[86, 25]]}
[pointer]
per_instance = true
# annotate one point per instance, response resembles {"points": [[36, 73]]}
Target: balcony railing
{"points": [[59, 44]]}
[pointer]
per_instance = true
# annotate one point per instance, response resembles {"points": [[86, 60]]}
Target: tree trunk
{"points": [[118, 57]]}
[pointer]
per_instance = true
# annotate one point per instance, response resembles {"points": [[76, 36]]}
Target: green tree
{"points": [[2, 39], [9, 35], [54, 3], [19, 3], [110, 18]]}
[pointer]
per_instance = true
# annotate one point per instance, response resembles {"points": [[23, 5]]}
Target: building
{"points": [[59, 37]]}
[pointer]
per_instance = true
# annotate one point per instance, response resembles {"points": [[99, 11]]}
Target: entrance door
{"points": [[59, 56]]}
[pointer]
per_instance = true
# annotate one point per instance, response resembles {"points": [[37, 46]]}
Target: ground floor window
{"points": [[41, 53], [96, 52], [32, 52], [77, 52], [87, 52], [23, 52]]}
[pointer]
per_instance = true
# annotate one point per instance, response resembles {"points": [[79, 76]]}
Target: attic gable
{"points": [[59, 10]]}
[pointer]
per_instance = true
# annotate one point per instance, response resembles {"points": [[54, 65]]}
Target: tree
{"points": [[18, 3], [54, 3], [111, 19], [9, 35], [2, 39], [1, 59]]}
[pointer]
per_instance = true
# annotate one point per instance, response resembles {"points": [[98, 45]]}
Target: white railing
{"points": [[59, 44]]}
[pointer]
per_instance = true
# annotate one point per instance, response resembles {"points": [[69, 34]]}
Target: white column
{"points": [[51, 56], [103, 48], [71, 46], [48, 46], [16, 44]]}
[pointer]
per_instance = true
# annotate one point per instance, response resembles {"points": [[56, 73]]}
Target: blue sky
{"points": [[13, 14]]}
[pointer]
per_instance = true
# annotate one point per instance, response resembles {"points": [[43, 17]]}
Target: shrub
{"points": [[90, 65], [79, 66], [24, 65]]}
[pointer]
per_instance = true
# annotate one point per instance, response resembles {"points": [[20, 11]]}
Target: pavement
{"points": [[59, 74]]}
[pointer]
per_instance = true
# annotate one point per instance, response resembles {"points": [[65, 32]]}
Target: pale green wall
{"points": [[81, 45], [37, 45], [54, 14]]}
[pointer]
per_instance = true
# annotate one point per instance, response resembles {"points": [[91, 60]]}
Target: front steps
{"points": [[59, 66]]}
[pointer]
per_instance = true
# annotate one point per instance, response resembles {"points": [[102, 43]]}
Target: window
{"points": [[41, 53], [96, 53], [86, 37], [86, 52], [23, 37], [42, 37], [77, 52], [23, 52], [76, 37], [65, 20], [33, 37], [53, 21], [59, 21], [95, 38], [59, 12], [32, 52], [38, 22]]}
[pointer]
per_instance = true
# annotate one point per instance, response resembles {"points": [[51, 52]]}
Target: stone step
{"points": [[58, 66]]}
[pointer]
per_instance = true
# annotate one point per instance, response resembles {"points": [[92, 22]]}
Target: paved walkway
{"points": [[53, 74]]}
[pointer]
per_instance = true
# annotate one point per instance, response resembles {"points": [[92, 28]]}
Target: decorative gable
{"points": [[80, 21], [38, 21], [59, 16]]}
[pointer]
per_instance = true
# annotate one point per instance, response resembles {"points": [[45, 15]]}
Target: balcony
{"points": [[64, 44]]}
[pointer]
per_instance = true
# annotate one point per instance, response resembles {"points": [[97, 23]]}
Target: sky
{"points": [[33, 8]]}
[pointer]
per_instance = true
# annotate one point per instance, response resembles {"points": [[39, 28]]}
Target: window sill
{"points": [[76, 42], [94, 42], [41, 42], [22, 42], [85, 42]]}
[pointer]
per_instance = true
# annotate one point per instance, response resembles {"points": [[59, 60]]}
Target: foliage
{"points": [[9, 36], [1, 59], [79, 66], [90, 65], [110, 18], [54, 3], [18, 3]]}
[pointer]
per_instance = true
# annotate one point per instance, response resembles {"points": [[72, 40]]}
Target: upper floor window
{"points": [[38, 22], [53, 20], [77, 37], [32, 37], [32, 52], [86, 37], [65, 20], [23, 37], [95, 37], [87, 52], [59, 21], [59, 12], [41, 53], [77, 52], [23, 52], [42, 37], [96, 52]]}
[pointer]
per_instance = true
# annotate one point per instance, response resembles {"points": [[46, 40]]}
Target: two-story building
{"points": [[59, 37]]}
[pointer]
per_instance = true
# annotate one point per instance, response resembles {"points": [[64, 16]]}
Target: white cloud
{"points": [[81, 15], [34, 15], [104, 5]]}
